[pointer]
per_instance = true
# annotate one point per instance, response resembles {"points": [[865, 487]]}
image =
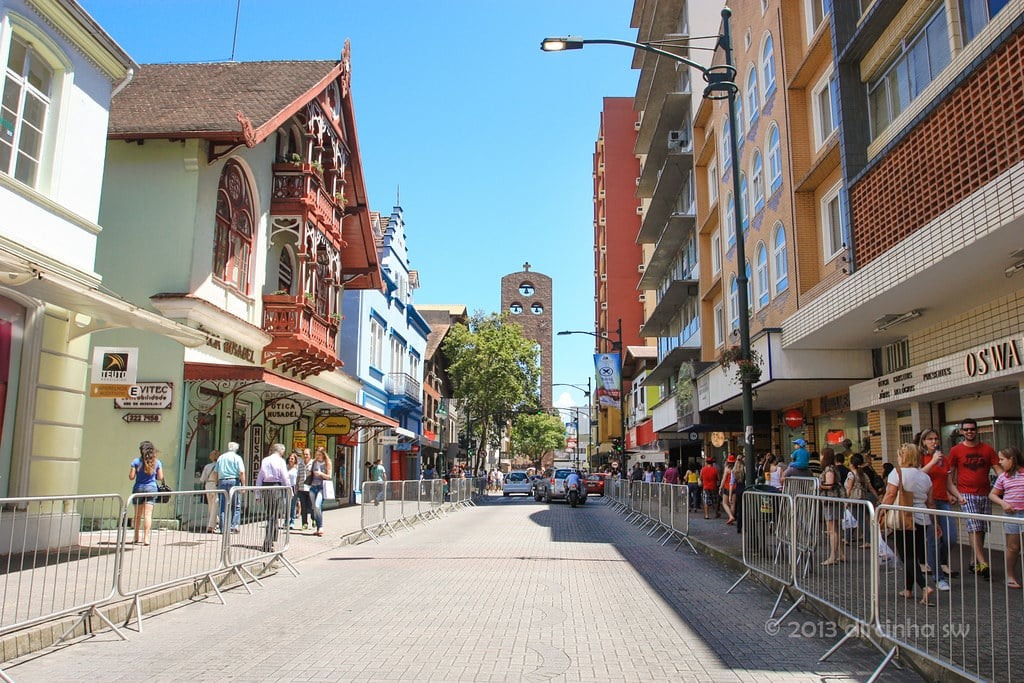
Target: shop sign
{"points": [[283, 411], [232, 348], [386, 440], [320, 441], [299, 440], [336, 425], [839, 403], [998, 358], [141, 418], [793, 418], [114, 370], [147, 396], [257, 438]]}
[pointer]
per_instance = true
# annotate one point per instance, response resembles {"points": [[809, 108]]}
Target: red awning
{"points": [[251, 374]]}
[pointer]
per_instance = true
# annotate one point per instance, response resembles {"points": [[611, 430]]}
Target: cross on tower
{"points": [[526, 266]]}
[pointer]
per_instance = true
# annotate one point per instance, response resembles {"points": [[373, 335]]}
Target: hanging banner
{"points": [[609, 373]]}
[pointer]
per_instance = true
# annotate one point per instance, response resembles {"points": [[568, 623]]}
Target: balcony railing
{"points": [[300, 184], [402, 384], [303, 340]]}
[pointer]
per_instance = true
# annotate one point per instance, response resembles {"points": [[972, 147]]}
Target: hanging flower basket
{"points": [[748, 368]]}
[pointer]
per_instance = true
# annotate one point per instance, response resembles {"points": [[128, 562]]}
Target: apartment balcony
{"points": [[304, 340], [673, 195], [666, 250], [671, 301], [403, 391], [299, 190]]}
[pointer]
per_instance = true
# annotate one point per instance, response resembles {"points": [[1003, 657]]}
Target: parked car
{"points": [[595, 483], [552, 486], [517, 482]]}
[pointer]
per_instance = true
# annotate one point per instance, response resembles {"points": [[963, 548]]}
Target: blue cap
{"points": [[800, 442]]}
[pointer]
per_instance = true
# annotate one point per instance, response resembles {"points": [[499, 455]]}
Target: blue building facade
{"points": [[384, 340]]}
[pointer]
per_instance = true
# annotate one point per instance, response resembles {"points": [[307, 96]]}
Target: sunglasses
{"points": [[968, 429]]}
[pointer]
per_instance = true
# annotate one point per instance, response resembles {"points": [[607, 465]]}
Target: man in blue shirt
{"points": [[800, 465], [230, 473]]}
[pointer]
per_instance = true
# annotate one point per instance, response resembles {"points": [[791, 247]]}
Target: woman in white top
{"points": [[209, 481], [774, 473], [909, 544], [293, 481]]}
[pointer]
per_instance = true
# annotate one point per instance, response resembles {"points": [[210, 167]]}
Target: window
{"points": [[730, 220], [832, 223], [744, 211], [763, 290], [285, 271], [376, 344], [781, 260], [414, 365], [716, 253], [27, 95], [739, 120], [719, 325], [753, 101], [757, 179], [768, 66], [823, 106], [734, 304], [920, 57], [977, 13], [750, 288], [726, 148], [774, 160], [817, 12], [233, 234], [712, 183]]}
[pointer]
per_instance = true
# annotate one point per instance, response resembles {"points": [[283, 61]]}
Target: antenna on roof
{"points": [[398, 195], [234, 38]]}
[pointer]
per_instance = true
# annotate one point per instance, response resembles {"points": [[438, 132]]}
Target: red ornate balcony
{"points": [[299, 190], [304, 342]]}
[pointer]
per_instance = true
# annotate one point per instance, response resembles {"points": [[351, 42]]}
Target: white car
{"points": [[517, 482]]}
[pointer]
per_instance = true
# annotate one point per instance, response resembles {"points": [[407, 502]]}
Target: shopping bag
{"points": [[886, 555], [328, 489], [849, 519]]}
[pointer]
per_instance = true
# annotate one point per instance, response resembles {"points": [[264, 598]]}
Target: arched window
{"points": [[29, 90], [233, 235], [734, 304], [730, 221], [739, 120], [744, 204], [763, 287], [753, 101], [286, 271], [726, 148], [750, 289], [774, 160], [757, 179], [780, 260], [768, 66]]}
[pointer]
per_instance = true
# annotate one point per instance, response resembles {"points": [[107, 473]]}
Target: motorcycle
{"points": [[573, 494]]}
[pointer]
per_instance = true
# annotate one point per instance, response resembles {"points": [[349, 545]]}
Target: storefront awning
{"points": [[254, 376], [401, 431], [100, 310]]}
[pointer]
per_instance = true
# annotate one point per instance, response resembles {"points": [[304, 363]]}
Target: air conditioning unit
{"points": [[678, 139], [641, 268], [604, 305], [642, 298], [636, 125], [640, 210]]}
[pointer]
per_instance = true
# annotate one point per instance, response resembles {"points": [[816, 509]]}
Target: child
{"points": [[1009, 493]]}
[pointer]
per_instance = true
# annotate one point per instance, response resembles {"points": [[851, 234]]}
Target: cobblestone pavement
{"points": [[512, 590]]}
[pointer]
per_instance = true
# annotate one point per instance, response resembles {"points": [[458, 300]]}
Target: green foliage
{"points": [[533, 435]]}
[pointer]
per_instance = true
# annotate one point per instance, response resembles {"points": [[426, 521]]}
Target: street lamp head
{"points": [[561, 44]]}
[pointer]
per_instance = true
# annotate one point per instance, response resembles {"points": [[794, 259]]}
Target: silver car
{"points": [[517, 482]]}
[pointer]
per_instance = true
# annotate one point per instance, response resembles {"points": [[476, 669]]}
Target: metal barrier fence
{"points": [[263, 534], [662, 507], [974, 627], [389, 505], [59, 557]]}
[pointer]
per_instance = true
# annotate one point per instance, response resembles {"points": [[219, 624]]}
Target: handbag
{"points": [[900, 520], [162, 487], [328, 491]]}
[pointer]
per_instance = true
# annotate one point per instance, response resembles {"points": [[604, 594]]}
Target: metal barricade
{"points": [[635, 498], [373, 519], [263, 534], [393, 500], [171, 552], [60, 558], [768, 547], [972, 629], [661, 510], [615, 491], [679, 523], [840, 574], [410, 501]]}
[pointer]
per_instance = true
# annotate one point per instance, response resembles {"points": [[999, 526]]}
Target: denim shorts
{"points": [[1010, 529], [145, 500]]}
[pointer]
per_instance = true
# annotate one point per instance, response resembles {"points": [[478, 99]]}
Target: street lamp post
{"points": [[721, 84], [616, 346], [590, 433]]}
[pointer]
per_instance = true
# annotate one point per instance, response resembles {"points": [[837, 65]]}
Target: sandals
{"points": [[828, 563], [928, 591], [1013, 585]]}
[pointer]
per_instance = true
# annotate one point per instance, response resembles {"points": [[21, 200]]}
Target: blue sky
{"points": [[488, 139]]}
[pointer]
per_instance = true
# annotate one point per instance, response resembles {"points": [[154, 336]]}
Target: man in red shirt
{"points": [[969, 484], [709, 482]]}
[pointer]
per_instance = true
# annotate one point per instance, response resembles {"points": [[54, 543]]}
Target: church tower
{"points": [[526, 297]]}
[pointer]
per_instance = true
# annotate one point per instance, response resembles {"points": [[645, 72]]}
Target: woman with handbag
{"points": [[146, 471], [321, 470], [858, 487], [908, 486], [832, 511]]}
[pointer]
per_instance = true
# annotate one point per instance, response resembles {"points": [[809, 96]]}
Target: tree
{"points": [[494, 369], [536, 434]]}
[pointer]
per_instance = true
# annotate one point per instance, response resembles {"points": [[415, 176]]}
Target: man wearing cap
{"points": [[800, 465], [709, 484]]}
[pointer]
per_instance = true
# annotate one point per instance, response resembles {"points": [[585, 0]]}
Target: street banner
{"points": [[609, 371]]}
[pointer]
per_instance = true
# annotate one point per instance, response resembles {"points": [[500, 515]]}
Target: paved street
{"points": [[478, 596]]}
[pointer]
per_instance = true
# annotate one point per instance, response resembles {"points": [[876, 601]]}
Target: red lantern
{"points": [[793, 418]]}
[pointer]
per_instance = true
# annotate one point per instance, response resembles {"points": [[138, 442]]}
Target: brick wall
{"points": [[976, 134]]}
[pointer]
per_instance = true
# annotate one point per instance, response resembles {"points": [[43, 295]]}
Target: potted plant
{"points": [[339, 198], [296, 159], [309, 297], [336, 318], [748, 367]]}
